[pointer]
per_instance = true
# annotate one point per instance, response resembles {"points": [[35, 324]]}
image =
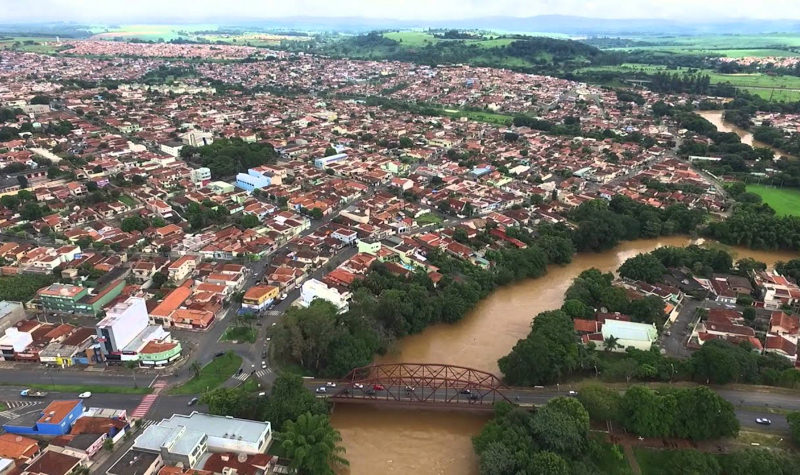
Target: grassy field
{"points": [[480, 116], [734, 46], [417, 39], [240, 334], [211, 375], [785, 201], [94, 388], [429, 218], [30, 44], [149, 32], [779, 88]]}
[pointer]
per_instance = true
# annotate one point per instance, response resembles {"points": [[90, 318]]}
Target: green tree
{"points": [[644, 267], [601, 403], [793, 418], [312, 444], [288, 399], [549, 351], [548, 463]]}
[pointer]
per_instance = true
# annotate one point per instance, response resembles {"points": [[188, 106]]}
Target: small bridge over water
{"points": [[419, 384]]}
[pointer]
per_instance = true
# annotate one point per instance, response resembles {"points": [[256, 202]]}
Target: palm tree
{"points": [[196, 368], [610, 343], [132, 365], [312, 444]]}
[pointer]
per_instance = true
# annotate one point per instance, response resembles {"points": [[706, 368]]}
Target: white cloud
{"points": [[191, 10]]}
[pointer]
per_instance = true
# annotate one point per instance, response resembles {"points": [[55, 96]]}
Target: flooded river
{"points": [[439, 442], [715, 117]]}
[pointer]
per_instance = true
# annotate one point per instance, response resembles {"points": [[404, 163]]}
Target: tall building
{"points": [[123, 322]]}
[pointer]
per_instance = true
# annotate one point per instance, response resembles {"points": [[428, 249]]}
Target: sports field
{"points": [[785, 201]]}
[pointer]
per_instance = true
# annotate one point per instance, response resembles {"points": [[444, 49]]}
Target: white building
{"points": [[201, 176], [638, 335], [123, 322], [187, 439], [314, 289]]}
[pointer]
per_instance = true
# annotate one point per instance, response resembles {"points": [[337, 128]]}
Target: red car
{"points": [[378, 387]]}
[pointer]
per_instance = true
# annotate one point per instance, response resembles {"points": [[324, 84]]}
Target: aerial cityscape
{"points": [[443, 237]]}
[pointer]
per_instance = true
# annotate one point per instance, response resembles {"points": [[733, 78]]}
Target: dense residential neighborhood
{"points": [[207, 245]]}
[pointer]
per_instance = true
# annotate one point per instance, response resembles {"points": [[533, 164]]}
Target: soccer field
{"points": [[785, 201]]}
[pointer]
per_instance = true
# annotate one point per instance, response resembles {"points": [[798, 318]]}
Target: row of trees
{"points": [[602, 224], [701, 261], [757, 227], [695, 413]]}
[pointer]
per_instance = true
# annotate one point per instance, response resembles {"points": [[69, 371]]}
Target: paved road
{"points": [[749, 405]]}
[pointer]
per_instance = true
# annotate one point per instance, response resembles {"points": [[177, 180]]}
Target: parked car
{"points": [[321, 390], [85, 395], [763, 421], [378, 387], [192, 401]]}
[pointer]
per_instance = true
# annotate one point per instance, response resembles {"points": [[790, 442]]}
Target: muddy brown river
{"points": [[406, 441]]}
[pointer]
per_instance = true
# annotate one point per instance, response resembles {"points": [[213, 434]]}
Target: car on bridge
{"points": [[465, 391], [370, 392], [358, 385], [378, 387]]}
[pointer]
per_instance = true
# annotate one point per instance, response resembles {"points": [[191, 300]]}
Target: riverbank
{"points": [[403, 441]]}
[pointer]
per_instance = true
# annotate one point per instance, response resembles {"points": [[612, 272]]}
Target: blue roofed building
{"points": [[56, 419]]}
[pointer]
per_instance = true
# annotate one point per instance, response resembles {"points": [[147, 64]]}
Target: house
{"points": [[182, 267], [313, 289], [52, 462], [19, 448], [135, 462], [259, 297]]}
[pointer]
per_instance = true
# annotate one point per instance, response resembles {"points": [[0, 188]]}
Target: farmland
{"points": [[734, 46], [417, 39], [779, 88], [785, 201]]}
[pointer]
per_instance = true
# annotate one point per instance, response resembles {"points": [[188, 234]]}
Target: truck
{"points": [[32, 393]]}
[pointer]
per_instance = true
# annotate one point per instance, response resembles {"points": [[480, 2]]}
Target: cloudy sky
{"points": [[193, 10]]}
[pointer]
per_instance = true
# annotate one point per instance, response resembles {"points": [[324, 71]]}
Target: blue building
{"points": [[253, 179], [56, 419]]}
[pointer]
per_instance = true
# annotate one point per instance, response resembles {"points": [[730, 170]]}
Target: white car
{"points": [[573, 393], [763, 421], [263, 364], [85, 395], [321, 390], [330, 384], [358, 385]]}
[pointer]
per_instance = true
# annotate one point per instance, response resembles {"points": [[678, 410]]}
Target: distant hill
{"points": [[570, 25], [518, 52]]}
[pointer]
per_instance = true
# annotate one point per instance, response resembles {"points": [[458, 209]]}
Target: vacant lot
{"points": [[416, 39], [785, 201], [211, 375]]}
